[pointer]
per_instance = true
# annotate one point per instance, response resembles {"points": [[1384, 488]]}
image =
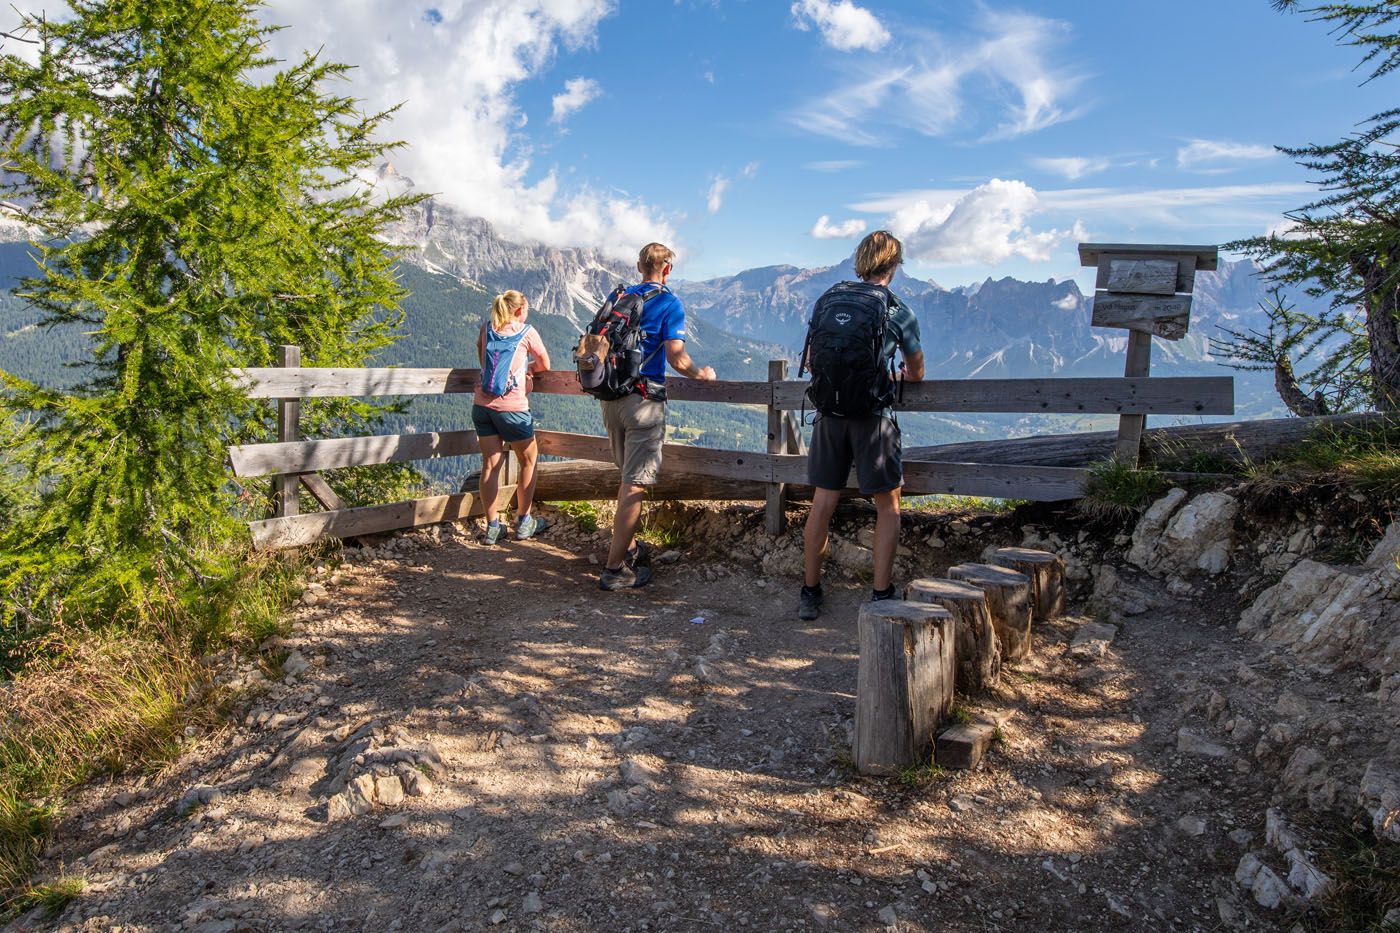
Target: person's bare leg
{"points": [[824, 502], [626, 522], [528, 453], [886, 535], [492, 462]]}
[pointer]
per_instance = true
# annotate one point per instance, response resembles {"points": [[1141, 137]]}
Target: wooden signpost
{"points": [[1146, 290]]}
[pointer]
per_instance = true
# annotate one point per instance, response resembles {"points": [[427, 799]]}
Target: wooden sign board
{"points": [[1165, 316], [1147, 275]]}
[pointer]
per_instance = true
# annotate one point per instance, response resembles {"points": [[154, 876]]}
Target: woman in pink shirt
{"points": [[511, 352]]}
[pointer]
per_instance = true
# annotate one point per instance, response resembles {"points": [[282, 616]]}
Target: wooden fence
{"points": [[295, 462]]}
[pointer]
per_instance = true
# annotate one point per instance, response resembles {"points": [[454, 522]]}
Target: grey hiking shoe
{"points": [[809, 603], [494, 533], [638, 555], [624, 578], [529, 526]]}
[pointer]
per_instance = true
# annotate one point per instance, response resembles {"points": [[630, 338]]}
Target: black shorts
{"points": [[872, 445]]}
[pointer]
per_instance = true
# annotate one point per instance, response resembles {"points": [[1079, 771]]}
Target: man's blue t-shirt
{"points": [[663, 319]]}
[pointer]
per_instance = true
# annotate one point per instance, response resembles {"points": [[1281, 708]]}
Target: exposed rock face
{"points": [[1177, 536], [1333, 616], [1380, 798]]}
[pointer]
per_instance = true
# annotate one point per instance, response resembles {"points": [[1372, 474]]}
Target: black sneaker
{"points": [[809, 602], [624, 577], [887, 593], [638, 555]]}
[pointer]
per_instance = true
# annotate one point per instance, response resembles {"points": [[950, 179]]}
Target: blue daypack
{"points": [[496, 376]]}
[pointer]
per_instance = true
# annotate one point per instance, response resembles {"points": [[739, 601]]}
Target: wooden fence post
{"points": [[286, 486], [775, 521], [1130, 427]]}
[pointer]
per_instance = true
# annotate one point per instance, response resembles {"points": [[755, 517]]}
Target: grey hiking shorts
{"points": [[637, 428], [872, 445]]}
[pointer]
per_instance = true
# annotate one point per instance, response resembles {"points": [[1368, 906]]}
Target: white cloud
{"points": [[988, 224], [749, 171], [1071, 167], [715, 199], [457, 76], [926, 87], [578, 93], [1208, 154], [824, 229], [843, 25]]}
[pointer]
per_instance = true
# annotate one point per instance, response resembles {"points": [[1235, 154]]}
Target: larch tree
{"points": [[196, 203], [1344, 246]]}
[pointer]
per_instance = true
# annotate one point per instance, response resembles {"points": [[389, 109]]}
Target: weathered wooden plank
{"points": [[286, 489], [679, 458], [1138, 276], [774, 518], [904, 683], [998, 481], [322, 382], [322, 491], [1128, 448], [300, 530], [575, 446], [578, 480], [1185, 271], [1171, 395], [335, 453], [1166, 317], [1207, 257]]}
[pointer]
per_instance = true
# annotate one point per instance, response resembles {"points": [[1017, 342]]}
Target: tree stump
{"points": [[1047, 573], [904, 688], [978, 649], [1008, 600]]}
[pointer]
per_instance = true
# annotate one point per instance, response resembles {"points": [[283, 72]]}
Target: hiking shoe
{"points": [[809, 602], [493, 533], [887, 593], [638, 555], [624, 578], [530, 526]]}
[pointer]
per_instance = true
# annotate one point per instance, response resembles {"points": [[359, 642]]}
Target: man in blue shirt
{"points": [[636, 423], [871, 445]]}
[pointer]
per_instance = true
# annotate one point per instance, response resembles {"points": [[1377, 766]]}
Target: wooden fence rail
{"points": [[294, 462]]}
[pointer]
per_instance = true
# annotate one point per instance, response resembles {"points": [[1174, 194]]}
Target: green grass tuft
{"points": [[1365, 883], [584, 514], [51, 896], [920, 775], [1118, 492]]}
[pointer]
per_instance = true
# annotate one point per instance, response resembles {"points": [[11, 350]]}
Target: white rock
{"points": [[888, 916], [1277, 832], [634, 771], [1306, 877], [1150, 527], [1261, 881], [295, 664], [1379, 796], [1191, 826], [1091, 640]]}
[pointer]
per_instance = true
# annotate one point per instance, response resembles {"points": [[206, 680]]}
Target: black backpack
{"points": [[845, 351], [608, 357]]}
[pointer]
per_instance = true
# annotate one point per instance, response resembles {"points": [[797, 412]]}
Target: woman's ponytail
{"points": [[504, 307]]}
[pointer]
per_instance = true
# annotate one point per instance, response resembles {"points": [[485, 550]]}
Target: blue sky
{"points": [[992, 137]]}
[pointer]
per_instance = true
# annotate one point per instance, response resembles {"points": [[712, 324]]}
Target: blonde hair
{"points": [[653, 256], [878, 255], [504, 307]]}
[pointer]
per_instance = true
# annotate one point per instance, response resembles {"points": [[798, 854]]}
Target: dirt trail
{"points": [[610, 764]]}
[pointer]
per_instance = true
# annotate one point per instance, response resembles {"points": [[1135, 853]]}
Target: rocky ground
{"points": [[456, 737]]}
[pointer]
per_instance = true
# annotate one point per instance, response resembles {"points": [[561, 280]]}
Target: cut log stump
{"points": [[904, 687], [1009, 601], [978, 649], [1047, 573]]}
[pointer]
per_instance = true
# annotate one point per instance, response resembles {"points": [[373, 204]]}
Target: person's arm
{"points": [[914, 366], [539, 356], [910, 346], [481, 346], [681, 362]]}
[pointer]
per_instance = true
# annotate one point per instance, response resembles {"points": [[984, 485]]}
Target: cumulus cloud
{"points": [[1071, 167], [458, 76], [843, 25], [824, 229], [578, 92], [715, 199], [988, 224], [1209, 154], [927, 86]]}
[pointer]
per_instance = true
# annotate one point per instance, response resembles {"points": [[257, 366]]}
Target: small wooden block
{"points": [[962, 747], [1168, 317]]}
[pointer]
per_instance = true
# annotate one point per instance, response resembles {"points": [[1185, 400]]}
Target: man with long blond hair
{"points": [[636, 422], [853, 390]]}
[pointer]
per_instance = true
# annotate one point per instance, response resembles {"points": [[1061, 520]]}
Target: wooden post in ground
{"points": [[285, 487], [776, 497], [904, 687], [1009, 601], [978, 649], [1047, 573], [1128, 449]]}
